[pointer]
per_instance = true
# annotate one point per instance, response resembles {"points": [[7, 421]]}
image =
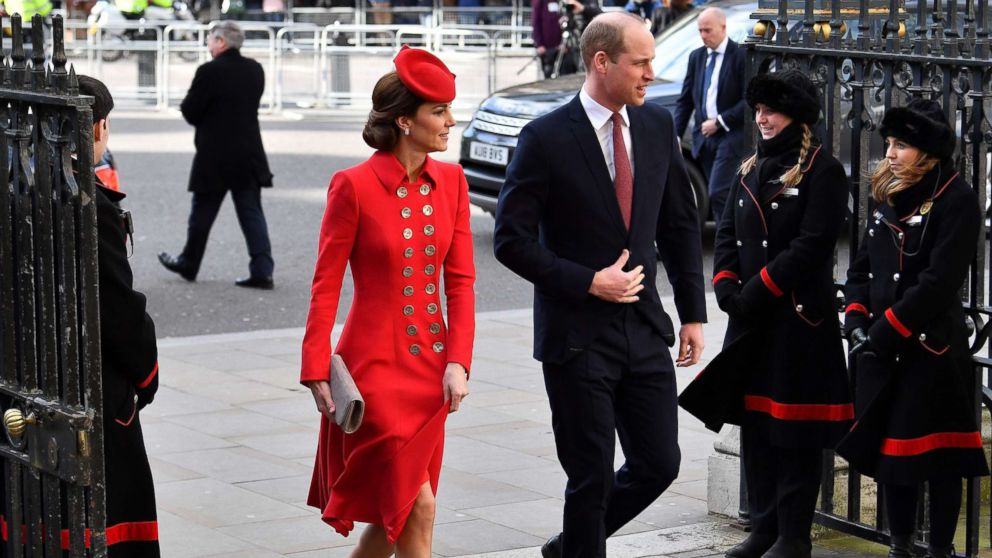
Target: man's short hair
{"points": [[604, 34], [103, 101], [231, 32]]}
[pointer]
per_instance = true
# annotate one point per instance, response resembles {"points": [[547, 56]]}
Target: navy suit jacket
{"points": [[730, 102], [558, 222]]}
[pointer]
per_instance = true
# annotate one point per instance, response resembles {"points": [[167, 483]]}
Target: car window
{"points": [[673, 48]]}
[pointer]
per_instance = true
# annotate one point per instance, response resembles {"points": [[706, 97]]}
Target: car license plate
{"points": [[489, 153]]}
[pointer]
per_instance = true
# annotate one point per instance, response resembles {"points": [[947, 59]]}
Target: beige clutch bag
{"points": [[349, 407]]}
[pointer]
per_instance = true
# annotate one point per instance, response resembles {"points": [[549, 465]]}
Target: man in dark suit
{"points": [[713, 91], [222, 103], [591, 188]]}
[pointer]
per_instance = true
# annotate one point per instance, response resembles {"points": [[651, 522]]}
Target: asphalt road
{"points": [[154, 152]]}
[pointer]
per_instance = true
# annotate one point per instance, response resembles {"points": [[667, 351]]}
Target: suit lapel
{"points": [[593, 155], [701, 72], [724, 79], [638, 137]]}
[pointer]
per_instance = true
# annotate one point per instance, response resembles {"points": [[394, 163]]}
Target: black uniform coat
{"points": [[222, 103], [774, 257], [130, 380], [558, 222], [914, 406]]}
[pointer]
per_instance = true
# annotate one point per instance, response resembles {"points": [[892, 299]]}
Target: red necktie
{"points": [[624, 181]]}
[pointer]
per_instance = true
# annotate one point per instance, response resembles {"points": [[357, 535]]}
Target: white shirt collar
{"points": [[723, 46], [597, 113]]}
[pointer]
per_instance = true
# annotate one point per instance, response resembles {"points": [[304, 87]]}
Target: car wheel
{"points": [[699, 192]]}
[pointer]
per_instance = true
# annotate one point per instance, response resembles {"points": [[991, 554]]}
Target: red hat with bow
{"points": [[425, 75]]}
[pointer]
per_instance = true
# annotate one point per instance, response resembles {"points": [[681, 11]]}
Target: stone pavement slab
{"points": [[232, 437]]}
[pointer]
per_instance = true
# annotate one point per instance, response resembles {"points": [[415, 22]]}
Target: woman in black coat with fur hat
{"points": [[907, 329], [774, 277]]}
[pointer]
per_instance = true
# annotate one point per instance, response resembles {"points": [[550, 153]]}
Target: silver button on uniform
{"points": [[895, 277], [739, 243], [430, 289], [432, 308], [799, 308], [414, 349], [923, 337], [438, 347], [401, 191], [429, 230], [764, 243], [408, 253], [407, 271], [408, 310], [901, 235], [774, 205], [406, 212], [425, 189], [740, 203], [428, 210], [430, 269], [430, 250], [411, 330], [871, 232], [871, 275], [408, 291], [435, 328], [408, 233]]}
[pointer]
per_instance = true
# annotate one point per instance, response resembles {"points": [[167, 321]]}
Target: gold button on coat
{"points": [[411, 330], [401, 192], [430, 269], [408, 310], [406, 212], [430, 250], [429, 230], [430, 289], [408, 253], [438, 347], [415, 349], [425, 189], [435, 328], [428, 210], [408, 233], [407, 271], [432, 308], [408, 291]]}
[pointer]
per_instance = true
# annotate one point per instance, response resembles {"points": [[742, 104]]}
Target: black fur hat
{"points": [[790, 92], [923, 125]]}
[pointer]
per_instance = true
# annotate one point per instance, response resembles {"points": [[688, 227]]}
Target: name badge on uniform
{"points": [[915, 220], [553, 7], [790, 192]]}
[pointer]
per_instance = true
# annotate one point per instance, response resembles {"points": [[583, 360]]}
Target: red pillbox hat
{"points": [[425, 75]]}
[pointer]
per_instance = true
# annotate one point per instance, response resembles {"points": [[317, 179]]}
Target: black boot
{"points": [[901, 546], [754, 546], [940, 551], [787, 547]]}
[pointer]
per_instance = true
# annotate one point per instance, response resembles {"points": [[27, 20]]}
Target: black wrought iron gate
{"points": [[867, 56], [52, 484]]}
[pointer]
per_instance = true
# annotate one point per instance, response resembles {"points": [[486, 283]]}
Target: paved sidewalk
{"points": [[232, 435]]}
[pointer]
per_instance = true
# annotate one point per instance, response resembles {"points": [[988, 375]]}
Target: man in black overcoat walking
{"points": [[222, 103]]}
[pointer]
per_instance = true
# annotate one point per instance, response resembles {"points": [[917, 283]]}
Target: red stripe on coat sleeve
{"points": [[799, 411], [151, 376], [767, 279], [724, 275], [855, 307], [896, 324], [939, 440]]}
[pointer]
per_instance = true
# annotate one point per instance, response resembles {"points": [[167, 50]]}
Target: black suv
{"points": [[489, 139]]}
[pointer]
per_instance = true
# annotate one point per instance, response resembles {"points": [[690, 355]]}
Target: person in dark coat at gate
{"points": [[222, 103], [774, 277], [130, 364], [914, 399]]}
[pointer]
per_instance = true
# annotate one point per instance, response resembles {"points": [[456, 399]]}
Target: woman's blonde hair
{"points": [[792, 176], [885, 184]]}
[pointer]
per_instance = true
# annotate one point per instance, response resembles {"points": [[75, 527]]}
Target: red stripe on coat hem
{"points": [[896, 324], [767, 279], [151, 376], [724, 275], [924, 444], [799, 411], [136, 531], [855, 307]]}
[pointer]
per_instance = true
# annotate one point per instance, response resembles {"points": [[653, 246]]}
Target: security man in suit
{"points": [[567, 221], [713, 93], [222, 103]]}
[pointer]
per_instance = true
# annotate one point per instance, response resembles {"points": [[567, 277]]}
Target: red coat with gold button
{"points": [[400, 239]]}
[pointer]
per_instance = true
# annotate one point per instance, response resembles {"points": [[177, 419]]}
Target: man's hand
{"points": [[577, 7], [541, 50], [710, 127], [690, 344], [321, 390], [613, 284], [455, 385]]}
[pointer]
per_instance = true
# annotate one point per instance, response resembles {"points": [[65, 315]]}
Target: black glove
{"points": [[143, 397], [858, 342], [736, 309]]}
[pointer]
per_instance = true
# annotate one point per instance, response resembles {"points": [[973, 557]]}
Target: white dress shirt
{"points": [[711, 110], [602, 122]]}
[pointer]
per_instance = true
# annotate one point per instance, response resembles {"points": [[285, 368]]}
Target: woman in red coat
{"points": [[401, 219]]}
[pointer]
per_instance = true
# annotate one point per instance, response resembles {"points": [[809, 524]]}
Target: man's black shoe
{"points": [[754, 546], [177, 265], [256, 283], [552, 548]]}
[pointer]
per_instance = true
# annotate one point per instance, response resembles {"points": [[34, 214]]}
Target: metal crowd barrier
{"points": [[151, 64]]}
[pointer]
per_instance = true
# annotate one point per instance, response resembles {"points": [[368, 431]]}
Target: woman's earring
{"points": [[406, 131]]}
